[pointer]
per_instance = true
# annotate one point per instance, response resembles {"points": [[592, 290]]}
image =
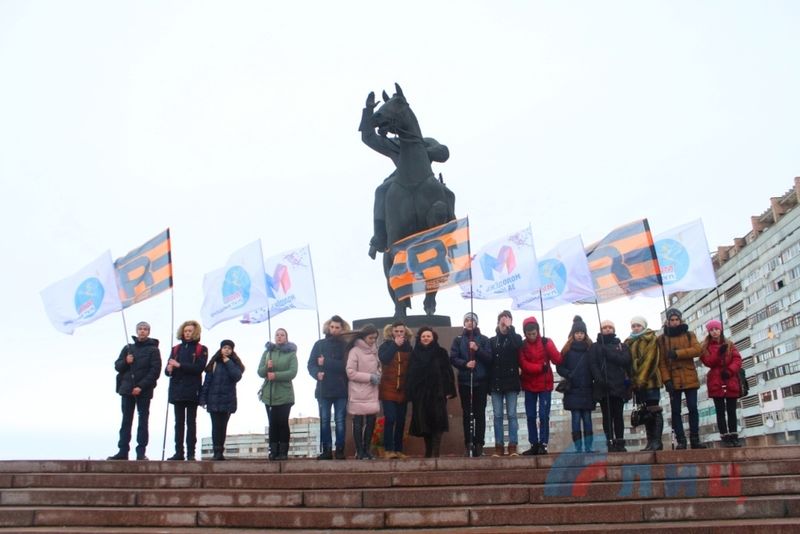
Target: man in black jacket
{"points": [[138, 367], [504, 383]]}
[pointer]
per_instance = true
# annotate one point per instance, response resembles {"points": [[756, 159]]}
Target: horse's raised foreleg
{"points": [[430, 303]]}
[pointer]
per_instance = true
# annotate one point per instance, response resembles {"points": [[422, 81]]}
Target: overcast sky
{"points": [[233, 121]]}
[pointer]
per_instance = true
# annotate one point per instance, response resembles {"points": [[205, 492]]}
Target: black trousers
{"points": [[185, 417], [219, 429], [278, 417], [477, 409], [725, 406], [613, 422]]}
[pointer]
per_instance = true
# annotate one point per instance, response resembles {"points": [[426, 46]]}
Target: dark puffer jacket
{"points": [[219, 387], [334, 384], [504, 370], [611, 367], [576, 367], [460, 355], [144, 370], [185, 381]]}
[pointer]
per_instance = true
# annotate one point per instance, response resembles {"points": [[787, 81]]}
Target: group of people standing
{"points": [[355, 375]]}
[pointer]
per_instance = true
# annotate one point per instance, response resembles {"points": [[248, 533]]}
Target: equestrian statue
{"points": [[411, 199]]}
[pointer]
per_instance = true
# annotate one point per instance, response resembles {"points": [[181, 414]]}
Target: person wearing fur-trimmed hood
{"points": [[646, 379], [218, 394], [326, 365], [278, 367], [394, 354]]}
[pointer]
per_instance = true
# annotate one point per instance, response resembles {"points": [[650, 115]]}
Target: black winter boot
{"points": [[366, 445], [273, 450], [283, 451], [358, 436], [436, 444], [339, 453], [734, 437], [658, 431], [694, 442], [680, 444], [326, 454], [533, 451], [649, 430], [619, 445]]}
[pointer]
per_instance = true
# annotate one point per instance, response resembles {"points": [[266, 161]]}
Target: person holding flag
{"points": [[138, 367], [679, 348], [278, 367], [471, 355], [185, 368], [536, 378]]}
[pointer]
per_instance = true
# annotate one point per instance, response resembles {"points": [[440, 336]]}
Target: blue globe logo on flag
{"points": [[236, 288], [673, 258], [553, 276], [89, 297]]}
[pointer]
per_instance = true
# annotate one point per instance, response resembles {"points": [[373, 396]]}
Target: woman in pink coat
{"points": [[724, 361], [364, 377]]}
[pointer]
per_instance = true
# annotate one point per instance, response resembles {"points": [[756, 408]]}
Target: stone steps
{"points": [[696, 491]]}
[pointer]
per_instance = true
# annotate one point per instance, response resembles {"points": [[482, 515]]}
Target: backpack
{"points": [[198, 351], [744, 387]]}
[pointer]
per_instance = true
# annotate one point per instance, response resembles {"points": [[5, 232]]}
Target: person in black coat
{"points": [[576, 370], [611, 371], [138, 367], [504, 382], [218, 394], [185, 369], [429, 385]]}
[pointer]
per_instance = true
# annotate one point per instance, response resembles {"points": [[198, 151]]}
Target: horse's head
{"points": [[395, 115]]}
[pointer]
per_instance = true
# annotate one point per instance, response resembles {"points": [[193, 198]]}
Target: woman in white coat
{"points": [[364, 377]]}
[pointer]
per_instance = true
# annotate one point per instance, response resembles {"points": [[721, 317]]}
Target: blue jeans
{"points": [[510, 398], [694, 416], [543, 400], [582, 418], [340, 409], [394, 422], [129, 404]]}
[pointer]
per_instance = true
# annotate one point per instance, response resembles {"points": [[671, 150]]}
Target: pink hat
{"points": [[713, 323]]}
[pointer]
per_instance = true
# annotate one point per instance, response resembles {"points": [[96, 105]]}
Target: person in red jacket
{"points": [[724, 361], [536, 375]]}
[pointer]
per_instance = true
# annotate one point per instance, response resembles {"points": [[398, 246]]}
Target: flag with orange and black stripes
{"points": [[624, 262], [431, 260], [145, 271]]}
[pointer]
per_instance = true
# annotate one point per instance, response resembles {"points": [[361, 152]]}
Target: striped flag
{"points": [[145, 271], [624, 262], [431, 260]]}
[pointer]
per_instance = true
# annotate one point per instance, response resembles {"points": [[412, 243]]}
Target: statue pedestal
{"points": [[453, 440]]}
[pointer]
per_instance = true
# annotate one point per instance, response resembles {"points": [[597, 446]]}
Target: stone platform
{"points": [[748, 490]]}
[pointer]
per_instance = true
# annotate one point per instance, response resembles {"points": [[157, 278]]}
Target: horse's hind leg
{"points": [[399, 306], [430, 303]]}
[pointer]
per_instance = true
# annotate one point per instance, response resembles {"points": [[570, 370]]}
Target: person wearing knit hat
{"points": [[607, 323], [218, 394], [471, 355], [536, 378], [610, 361], [722, 381], [679, 348], [578, 399], [227, 343], [646, 379]]}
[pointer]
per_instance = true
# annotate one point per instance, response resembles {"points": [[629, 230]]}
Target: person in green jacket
{"points": [[278, 367]]}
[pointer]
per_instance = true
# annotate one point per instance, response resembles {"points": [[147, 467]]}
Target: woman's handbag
{"points": [[563, 386], [640, 415]]}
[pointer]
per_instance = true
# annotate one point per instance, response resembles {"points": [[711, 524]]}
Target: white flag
{"points": [[290, 284], [504, 267], [684, 260], [84, 297], [237, 288], [564, 272]]}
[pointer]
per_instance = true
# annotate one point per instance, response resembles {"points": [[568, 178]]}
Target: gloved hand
{"points": [[668, 385], [725, 374], [672, 355], [374, 379], [723, 349]]}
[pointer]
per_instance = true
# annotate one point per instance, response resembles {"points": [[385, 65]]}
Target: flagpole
{"points": [[314, 283], [171, 329], [719, 305], [541, 305]]}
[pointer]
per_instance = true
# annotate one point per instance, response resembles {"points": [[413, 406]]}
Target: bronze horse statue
{"points": [[414, 199]]}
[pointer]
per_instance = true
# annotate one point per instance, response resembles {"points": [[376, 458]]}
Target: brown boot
{"points": [[498, 451], [512, 449]]}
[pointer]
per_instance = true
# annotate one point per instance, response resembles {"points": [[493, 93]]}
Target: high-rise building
{"points": [[758, 298]]}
